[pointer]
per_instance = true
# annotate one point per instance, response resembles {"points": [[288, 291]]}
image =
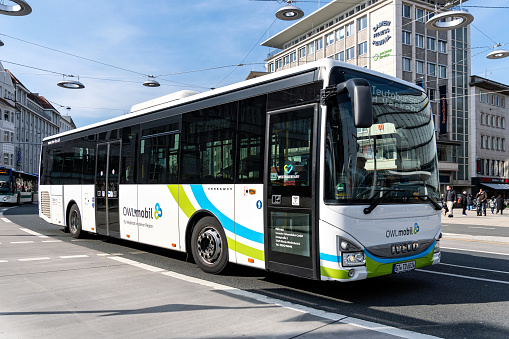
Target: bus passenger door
{"points": [[106, 189], [289, 228]]}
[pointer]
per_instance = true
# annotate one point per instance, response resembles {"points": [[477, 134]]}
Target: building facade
{"points": [[489, 158], [35, 119], [7, 114], [66, 123], [389, 36]]}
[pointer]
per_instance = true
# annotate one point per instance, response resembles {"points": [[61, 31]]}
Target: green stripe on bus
{"points": [[180, 196], [333, 273], [248, 251]]}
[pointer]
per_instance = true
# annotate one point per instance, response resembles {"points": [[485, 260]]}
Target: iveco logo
{"points": [[404, 247]]}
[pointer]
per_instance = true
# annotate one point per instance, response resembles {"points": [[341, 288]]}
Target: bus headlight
{"points": [[353, 259], [437, 247]]}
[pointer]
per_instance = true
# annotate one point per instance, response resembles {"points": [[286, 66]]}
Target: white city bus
{"points": [[326, 171]]}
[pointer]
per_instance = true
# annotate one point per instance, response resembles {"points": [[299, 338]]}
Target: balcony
{"points": [[446, 166]]}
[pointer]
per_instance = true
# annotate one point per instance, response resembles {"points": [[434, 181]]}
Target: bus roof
{"points": [[184, 97]]}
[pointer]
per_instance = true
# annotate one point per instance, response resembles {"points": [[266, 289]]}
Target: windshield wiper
{"points": [[379, 200], [428, 199]]}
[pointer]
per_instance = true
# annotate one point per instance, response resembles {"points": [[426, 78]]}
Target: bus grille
{"points": [[45, 204]]}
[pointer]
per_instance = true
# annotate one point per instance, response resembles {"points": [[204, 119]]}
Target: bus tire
{"points": [[75, 222], [209, 245]]}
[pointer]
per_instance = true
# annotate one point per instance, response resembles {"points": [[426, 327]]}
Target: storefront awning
{"points": [[497, 186]]}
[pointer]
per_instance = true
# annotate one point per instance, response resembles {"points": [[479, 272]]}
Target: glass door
{"points": [[290, 231], [106, 189]]}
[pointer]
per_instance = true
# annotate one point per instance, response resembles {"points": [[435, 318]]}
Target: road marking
{"points": [[476, 238], [474, 268], [138, 264], [22, 242], [73, 256], [33, 233], [34, 259], [6, 220], [3, 261], [285, 304], [462, 249], [486, 228], [464, 276], [103, 254], [52, 241]]}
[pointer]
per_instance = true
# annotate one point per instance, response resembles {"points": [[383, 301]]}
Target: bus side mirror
{"points": [[360, 95]]}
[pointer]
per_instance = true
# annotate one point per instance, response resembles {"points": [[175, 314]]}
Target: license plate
{"points": [[403, 267]]}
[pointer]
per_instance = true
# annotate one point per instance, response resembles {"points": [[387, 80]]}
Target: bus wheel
{"points": [[75, 222], [209, 245]]}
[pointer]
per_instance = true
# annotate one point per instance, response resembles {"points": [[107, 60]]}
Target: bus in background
{"points": [[17, 187], [326, 171]]}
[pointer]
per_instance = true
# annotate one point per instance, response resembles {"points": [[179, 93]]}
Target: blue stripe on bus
{"points": [[330, 257], [239, 230], [390, 261]]}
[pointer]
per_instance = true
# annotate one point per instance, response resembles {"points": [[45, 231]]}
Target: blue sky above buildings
{"points": [[169, 36]]}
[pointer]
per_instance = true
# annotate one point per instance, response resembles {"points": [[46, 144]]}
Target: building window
{"points": [[487, 119], [286, 60], [502, 103], [492, 99], [442, 72], [407, 40], [363, 23], [492, 121], [502, 168], [350, 29], [482, 141], [493, 143], [430, 44], [482, 97], [432, 69], [279, 63], [340, 34], [502, 122], [319, 44], [498, 122], [503, 144], [419, 15], [293, 56], [419, 41], [329, 40], [340, 56], [429, 15], [363, 48], [442, 46], [498, 144], [302, 52], [406, 11], [487, 167], [419, 67], [350, 53], [498, 103], [407, 64], [432, 94], [482, 118], [311, 48]]}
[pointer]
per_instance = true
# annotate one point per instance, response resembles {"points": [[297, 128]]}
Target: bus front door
{"points": [[289, 228], [106, 189]]}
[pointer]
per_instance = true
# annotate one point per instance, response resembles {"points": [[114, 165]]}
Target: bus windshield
{"points": [[395, 158], [4, 183]]}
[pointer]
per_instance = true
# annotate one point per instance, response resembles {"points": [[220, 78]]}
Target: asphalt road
{"points": [[466, 296]]}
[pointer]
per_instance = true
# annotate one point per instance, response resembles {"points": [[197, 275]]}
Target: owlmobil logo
{"points": [[146, 213], [404, 232]]}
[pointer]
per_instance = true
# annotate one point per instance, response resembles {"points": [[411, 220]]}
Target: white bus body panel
{"points": [[249, 221], [128, 198], [57, 207], [87, 208], [161, 227]]}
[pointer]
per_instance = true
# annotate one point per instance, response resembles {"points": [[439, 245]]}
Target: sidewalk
{"points": [[472, 218]]}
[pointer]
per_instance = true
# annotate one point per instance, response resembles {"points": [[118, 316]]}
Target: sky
{"points": [[164, 37]]}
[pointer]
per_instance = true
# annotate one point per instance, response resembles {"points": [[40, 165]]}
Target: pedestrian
{"points": [[491, 203], [450, 198], [500, 204], [463, 201], [470, 202], [481, 199]]}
